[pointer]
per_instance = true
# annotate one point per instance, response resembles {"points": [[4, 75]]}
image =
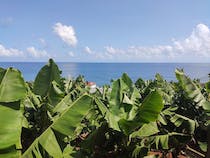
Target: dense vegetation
{"points": [[57, 117]]}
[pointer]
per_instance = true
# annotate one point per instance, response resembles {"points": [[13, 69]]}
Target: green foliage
{"points": [[146, 130], [150, 108], [12, 91], [12, 86], [192, 91], [57, 117], [208, 86], [46, 75], [64, 126]]}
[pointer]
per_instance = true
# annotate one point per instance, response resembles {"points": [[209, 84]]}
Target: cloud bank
{"points": [[37, 53], [195, 47], [9, 52], [88, 50]]}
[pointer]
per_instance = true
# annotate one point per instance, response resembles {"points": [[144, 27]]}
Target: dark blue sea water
{"points": [[102, 73]]}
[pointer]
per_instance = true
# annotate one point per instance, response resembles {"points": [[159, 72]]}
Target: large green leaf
{"points": [[116, 108], [146, 130], [122, 102], [31, 100], [119, 88], [193, 92], [10, 124], [111, 119], [65, 125], [12, 85], [127, 80], [55, 94], [146, 113], [179, 120], [46, 75], [62, 105], [166, 88], [116, 96], [150, 108], [12, 90]]}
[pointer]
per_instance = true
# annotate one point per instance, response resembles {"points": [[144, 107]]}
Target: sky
{"points": [[105, 30]]}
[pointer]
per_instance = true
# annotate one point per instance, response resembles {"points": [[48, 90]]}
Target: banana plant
{"points": [[49, 83], [201, 105], [12, 93], [125, 111], [56, 138], [180, 122], [192, 91], [57, 117], [122, 113], [46, 100]]}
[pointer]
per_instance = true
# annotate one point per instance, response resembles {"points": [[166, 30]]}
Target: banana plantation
{"points": [[54, 117]]}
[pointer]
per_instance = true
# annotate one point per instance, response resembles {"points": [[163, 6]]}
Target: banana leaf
{"points": [[12, 85], [48, 144], [193, 92], [44, 78], [12, 91]]}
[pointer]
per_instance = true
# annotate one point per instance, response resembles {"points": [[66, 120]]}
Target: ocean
{"points": [[102, 73]]}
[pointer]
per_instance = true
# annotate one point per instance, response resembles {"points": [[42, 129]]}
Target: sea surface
{"points": [[102, 73]]}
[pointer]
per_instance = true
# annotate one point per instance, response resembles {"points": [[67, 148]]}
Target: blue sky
{"points": [[105, 30]]}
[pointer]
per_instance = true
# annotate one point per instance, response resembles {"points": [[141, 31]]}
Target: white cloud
{"points": [[9, 52], [113, 51], [37, 53], [66, 33], [88, 50], [197, 45], [71, 54]]}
